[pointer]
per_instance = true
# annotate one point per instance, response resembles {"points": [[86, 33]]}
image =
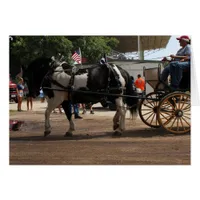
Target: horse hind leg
{"points": [[119, 118], [116, 120], [123, 116], [69, 133], [120, 125], [68, 112]]}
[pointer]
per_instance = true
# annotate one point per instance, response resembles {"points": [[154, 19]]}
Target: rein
{"points": [[72, 73]]}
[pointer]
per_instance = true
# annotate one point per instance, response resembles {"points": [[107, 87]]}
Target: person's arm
{"points": [[180, 57], [17, 91], [185, 59], [166, 59], [136, 83]]}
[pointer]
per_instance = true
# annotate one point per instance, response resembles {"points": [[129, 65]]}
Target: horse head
{"points": [[35, 72]]}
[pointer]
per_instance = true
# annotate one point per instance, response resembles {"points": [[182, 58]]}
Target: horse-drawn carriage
{"points": [[164, 106]]}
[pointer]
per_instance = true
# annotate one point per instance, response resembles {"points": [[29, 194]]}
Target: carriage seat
{"points": [[152, 77]]}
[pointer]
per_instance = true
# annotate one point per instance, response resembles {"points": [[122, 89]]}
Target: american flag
{"points": [[77, 57]]}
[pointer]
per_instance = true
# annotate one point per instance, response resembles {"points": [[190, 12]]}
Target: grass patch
{"points": [[12, 112]]}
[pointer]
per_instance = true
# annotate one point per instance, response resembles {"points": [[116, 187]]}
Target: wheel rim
{"points": [[174, 113], [148, 110]]}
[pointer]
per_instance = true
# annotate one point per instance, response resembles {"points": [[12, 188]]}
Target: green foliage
{"points": [[24, 49], [27, 48], [93, 47]]}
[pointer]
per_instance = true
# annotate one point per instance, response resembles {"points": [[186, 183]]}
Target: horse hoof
{"points": [[115, 126], [117, 133], [46, 133], [68, 134]]}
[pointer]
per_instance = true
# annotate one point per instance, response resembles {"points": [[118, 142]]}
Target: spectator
{"points": [[140, 83], [42, 98], [84, 108], [20, 93], [29, 101], [59, 108], [132, 79], [133, 84], [76, 111]]}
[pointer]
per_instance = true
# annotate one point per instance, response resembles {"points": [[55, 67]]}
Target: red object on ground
{"points": [[15, 125]]}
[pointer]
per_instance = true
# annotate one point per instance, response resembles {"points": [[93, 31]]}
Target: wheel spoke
{"points": [[185, 121], [152, 118], [164, 117], [170, 103], [177, 127], [150, 102], [169, 120], [149, 116], [147, 113], [187, 114], [186, 117], [182, 123], [187, 107], [146, 109], [156, 119], [184, 103], [167, 112], [148, 106], [172, 123]]}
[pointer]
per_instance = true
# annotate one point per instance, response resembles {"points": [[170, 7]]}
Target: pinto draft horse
{"points": [[61, 85]]}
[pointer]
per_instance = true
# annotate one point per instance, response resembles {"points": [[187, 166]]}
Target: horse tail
{"points": [[131, 101]]}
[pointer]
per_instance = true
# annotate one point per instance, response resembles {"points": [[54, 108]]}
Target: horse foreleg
{"points": [[47, 121], [116, 120], [68, 112], [52, 104]]}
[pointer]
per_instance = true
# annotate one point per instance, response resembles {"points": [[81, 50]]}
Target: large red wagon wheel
{"points": [[174, 112]]}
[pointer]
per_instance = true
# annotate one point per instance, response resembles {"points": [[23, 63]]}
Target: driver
{"points": [[180, 62]]}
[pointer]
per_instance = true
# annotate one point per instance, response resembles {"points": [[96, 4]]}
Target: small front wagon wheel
{"points": [[174, 113], [148, 109]]}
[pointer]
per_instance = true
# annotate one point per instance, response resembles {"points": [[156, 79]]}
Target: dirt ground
{"points": [[92, 143]]}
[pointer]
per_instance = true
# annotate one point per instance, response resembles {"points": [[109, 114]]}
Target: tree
{"points": [[24, 49], [93, 47], [27, 48]]}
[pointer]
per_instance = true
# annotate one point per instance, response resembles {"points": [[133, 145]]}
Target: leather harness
{"points": [[70, 87]]}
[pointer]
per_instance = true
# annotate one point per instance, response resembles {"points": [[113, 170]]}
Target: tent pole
{"points": [[140, 49]]}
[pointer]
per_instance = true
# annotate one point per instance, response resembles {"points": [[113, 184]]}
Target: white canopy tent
{"points": [[141, 43]]}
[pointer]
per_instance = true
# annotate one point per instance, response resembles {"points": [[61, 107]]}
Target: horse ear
{"points": [[53, 58], [23, 68]]}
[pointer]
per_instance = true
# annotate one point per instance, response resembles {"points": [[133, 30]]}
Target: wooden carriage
{"points": [[164, 106]]}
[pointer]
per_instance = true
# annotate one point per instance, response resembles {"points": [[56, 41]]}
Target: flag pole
{"points": [[80, 56]]}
